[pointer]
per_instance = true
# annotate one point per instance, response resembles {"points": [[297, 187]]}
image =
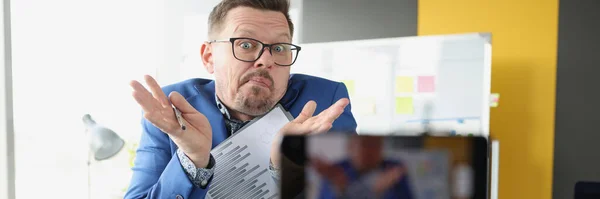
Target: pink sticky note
{"points": [[426, 84]]}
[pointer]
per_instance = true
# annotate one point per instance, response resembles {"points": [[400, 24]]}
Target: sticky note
{"points": [[349, 85], [365, 106], [494, 99], [404, 84], [426, 84], [404, 105]]}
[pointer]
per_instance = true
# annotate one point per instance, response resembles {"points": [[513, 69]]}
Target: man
{"points": [[365, 174], [250, 55]]}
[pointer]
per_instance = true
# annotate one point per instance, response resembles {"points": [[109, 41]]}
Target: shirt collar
{"points": [[222, 108]]}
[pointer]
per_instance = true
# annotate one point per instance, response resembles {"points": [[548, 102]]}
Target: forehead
{"points": [[250, 22]]}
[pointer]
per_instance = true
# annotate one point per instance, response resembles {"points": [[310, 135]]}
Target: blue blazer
{"points": [[157, 172]]}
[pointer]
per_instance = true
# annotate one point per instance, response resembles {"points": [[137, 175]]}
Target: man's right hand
{"points": [[196, 140]]}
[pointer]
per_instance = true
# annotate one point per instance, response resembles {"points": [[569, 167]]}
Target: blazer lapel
{"points": [[205, 103], [291, 94]]}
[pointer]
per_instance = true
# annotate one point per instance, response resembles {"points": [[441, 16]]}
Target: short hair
{"points": [[219, 12]]}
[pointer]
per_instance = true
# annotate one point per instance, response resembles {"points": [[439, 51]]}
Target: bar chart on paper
{"points": [[237, 177], [243, 160]]}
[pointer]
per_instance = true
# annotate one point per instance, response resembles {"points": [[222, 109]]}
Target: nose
{"points": [[266, 59]]}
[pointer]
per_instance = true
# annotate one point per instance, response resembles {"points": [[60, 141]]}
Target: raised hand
{"points": [[388, 178], [334, 174], [196, 140], [306, 123]]}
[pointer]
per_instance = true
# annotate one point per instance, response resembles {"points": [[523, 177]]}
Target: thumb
{"points": [[307, 112], [179, 101], [189, 113]]}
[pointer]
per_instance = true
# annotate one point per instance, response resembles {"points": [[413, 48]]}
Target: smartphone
{"points": [[338, 165]]}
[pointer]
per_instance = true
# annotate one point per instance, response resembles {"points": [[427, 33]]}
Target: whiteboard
{"points": [[407, 85]]}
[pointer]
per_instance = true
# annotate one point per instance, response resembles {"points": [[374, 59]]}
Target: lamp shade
{"points": [[103, 142]]}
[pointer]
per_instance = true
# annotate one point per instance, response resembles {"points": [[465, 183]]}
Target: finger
{"points": [[296, 129], [312, 125], [307, 112], [334, 111], [143, 97], [157, 91], [162, 123], [181, 103], [323, 128], [188, 112]]}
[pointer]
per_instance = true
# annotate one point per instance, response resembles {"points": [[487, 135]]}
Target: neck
{"points": [[239, 115]]}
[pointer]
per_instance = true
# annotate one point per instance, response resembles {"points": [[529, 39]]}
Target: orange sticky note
{"points": [[426, 84], [405, 84], [404, 105]]}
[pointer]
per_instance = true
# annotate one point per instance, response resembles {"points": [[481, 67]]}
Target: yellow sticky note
{"points": [[365, 105], [404, 105], [405, 84], [350, 86]]}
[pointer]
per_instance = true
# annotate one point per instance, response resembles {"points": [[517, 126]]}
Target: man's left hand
{"points": [[306, 124], [388, 178]]}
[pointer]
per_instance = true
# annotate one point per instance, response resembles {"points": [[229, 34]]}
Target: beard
{"points": [[255, 103], [255, 100]]}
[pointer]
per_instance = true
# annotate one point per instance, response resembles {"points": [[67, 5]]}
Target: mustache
{"points": [[259, 73]]}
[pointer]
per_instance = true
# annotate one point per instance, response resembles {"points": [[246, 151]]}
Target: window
{"points": [[70, 58], [73, 57]]}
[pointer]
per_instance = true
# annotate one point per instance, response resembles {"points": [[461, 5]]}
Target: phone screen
{"points": [[351, 166]]}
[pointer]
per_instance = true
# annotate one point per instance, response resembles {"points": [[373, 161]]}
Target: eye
{"points": [[279, 48], [246, 45]]}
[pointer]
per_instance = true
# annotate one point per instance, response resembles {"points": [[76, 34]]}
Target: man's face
{"points": [[251, 88], [365, 152]]}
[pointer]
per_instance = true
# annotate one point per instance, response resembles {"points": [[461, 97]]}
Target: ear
{"points": [[207, 57]]}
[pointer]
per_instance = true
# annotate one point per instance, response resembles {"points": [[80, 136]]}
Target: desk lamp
{"points": [[103, 143]]}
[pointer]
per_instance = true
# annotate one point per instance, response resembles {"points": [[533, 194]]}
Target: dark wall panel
{"points": [[577, 133], [339, 20]]}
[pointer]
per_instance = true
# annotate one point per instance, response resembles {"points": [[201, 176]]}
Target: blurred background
{"points": [[75, 57]]}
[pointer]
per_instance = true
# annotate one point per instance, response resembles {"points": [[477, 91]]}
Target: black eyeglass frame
{"points": [[232, 41]]}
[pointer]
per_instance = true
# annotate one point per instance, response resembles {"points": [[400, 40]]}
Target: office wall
{"points": [[524, 42], [339, 20], [576, 148]]}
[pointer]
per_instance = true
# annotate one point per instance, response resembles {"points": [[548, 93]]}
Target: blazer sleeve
{"points": [[157, 171], [346, 122]]}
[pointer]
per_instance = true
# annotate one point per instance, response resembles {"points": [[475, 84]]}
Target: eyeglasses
{"points": [[250, 50]]}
